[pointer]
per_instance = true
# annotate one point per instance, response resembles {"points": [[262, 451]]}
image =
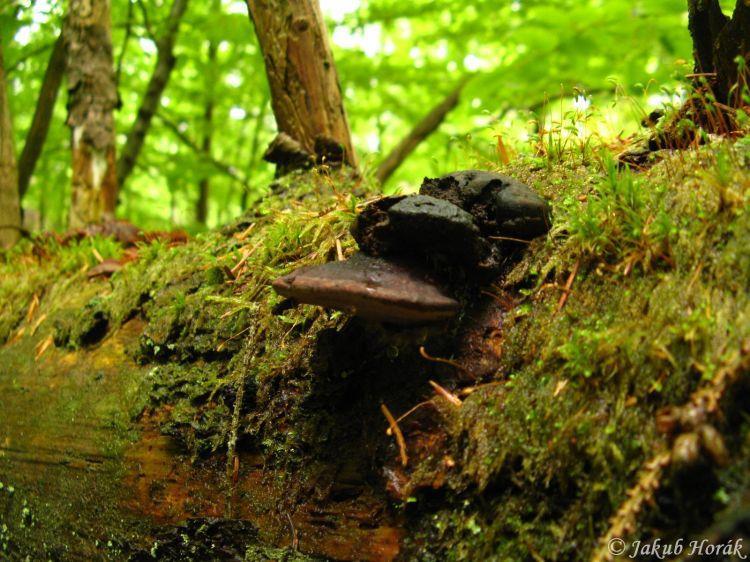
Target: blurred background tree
{"points": [[200, 164]]}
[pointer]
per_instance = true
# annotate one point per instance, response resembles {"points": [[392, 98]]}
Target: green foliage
{"points": [[395, 61]]}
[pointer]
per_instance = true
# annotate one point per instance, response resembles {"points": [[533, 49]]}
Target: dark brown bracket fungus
{"points": [[464, 221], [500, 205], [422, 227], [371, 288]]}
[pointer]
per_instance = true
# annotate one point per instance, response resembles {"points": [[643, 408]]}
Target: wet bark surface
{"points": [[88, 471]]}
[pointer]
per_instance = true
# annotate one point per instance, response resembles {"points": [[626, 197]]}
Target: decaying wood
{"points": [[305, 90], [420, 132], [92, 99], [10, 212], [45, 106], [165, 62]]}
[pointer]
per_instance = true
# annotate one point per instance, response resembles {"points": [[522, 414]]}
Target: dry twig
{"points": [[449, 396], [568, 286], [423, 353], [397, 431]]}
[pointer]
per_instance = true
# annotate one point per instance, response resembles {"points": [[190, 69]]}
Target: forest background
{"points": [[589, 68]]}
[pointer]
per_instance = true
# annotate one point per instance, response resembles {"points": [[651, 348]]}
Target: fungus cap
{"points": [[372, 288]]}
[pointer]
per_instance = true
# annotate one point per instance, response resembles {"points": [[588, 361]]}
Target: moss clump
{"points": [[658, 302], [192, 404], [81, 328], [35, 267]]}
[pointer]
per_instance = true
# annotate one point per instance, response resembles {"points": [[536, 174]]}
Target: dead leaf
{"points": [[104, 269]]}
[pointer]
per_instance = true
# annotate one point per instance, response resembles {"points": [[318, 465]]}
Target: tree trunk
{"points": [[92, 99], [201, 207], [733, 42], [705, 21], [45, 106], [420, 132], [717, 42], [165, 62], [305, 90], [10, 211]]}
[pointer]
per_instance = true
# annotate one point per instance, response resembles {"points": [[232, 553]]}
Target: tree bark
{"points": [[45, 106], [420, 132], [717, 42], [10, 211], [92, 99], [165, 62], [305, 90], [705, 21], [733, 41]]}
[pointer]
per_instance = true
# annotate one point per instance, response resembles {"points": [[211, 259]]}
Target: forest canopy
{"points": [[509, 64]]}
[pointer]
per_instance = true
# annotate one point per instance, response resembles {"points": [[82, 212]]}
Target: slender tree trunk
{"points": [[420, 132], [254, 150], [717, 42], [45, 106], [10, 210], [92, 99], [305, 90], [165, 62], [201, 207]]}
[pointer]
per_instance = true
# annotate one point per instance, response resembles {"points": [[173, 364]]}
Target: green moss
{"points": [[658, 302]]}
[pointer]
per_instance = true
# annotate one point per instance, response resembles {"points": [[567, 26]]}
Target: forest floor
{"points": [[179, 407]]}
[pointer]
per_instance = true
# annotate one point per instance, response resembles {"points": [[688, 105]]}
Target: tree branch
{"points": [[420, 132], [227, 169], [45, 105], [125, 40], [165, 62], [201, 207], [26, 56], [255, 147], [146, 21]]}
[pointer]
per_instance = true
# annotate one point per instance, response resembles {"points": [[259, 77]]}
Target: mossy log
{"points": [[183, 410]]}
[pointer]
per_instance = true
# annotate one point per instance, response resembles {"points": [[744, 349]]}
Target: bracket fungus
{"points": [[372, 288], [502, 206], [467, 220]]}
